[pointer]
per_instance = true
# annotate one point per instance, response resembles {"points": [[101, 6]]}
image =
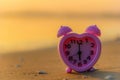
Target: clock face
{"points": [[80, 52]]}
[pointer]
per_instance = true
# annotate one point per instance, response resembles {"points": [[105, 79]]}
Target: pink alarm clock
{"points": [[79, 52]]}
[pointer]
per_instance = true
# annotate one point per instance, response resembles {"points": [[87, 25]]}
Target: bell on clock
{"points": [[79, 52]]}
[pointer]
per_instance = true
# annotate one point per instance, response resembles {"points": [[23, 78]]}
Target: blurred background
{"points": [[33, 24]]}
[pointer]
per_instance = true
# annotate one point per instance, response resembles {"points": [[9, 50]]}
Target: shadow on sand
{"points": [[101, 75]]}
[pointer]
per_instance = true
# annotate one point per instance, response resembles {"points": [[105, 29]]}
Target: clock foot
{"points": [[92, 69], [68, 70]]}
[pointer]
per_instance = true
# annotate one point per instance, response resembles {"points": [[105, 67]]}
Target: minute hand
{"points": [[79, 52]]}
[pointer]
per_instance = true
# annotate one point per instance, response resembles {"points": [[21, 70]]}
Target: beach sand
{"points": [[47, 65]]}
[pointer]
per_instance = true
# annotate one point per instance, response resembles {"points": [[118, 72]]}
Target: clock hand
{"points": [[79, 52]]}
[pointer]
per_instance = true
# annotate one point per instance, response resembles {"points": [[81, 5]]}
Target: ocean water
{"points": [[19, 33]]}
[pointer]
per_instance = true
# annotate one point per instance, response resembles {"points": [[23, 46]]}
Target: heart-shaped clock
{"points": [[79, 52]]}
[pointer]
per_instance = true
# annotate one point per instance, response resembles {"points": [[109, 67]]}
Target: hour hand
{"points": [[79, 54]]}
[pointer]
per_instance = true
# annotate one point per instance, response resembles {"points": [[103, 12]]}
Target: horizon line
{"points": [[60, 15]]}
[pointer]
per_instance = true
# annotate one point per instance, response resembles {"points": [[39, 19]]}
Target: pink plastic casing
{"points": [[63, 31], [93, 30], [92, 63]]}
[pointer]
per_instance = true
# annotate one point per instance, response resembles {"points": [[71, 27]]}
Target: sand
{"points": [[47, 65]]}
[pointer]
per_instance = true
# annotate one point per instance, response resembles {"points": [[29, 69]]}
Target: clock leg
{"points": [[92, 69], [68, 70]]}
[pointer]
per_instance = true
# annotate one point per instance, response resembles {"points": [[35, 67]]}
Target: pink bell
{"points": [[93, 29], [63, 31]]}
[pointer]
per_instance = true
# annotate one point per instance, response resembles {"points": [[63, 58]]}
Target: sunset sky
{"points": [[61, 5], [23, 33]]}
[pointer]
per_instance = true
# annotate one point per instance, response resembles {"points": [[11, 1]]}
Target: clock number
{"points": [[89, 58], [92, 44], [85, 61], [67, 46], [67, 53], [70, 58], [73, 41], [86, 40], [79, 64], [79, 42], [74, 61], [92, 52]]}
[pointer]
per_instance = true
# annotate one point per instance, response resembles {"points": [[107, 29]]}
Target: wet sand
{"points": [[47, 65]]}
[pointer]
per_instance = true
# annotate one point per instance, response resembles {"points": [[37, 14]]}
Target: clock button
{"points": [[67, 53], [89, 58], [79, 64], [67, 46], [70, 58], [92, 52], [85, 61]]}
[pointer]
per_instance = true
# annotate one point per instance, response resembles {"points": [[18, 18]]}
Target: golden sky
{"points": [[61, 5], [24, 33]]}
